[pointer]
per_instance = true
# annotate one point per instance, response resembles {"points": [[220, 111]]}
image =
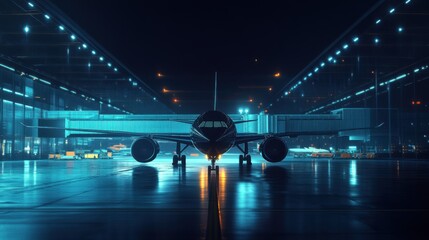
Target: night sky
{"points": [[187, 41]]}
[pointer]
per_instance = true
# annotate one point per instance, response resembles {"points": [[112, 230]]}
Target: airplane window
{"points": [[209, 124], [202, 124], [217, 124], [224, 124]]}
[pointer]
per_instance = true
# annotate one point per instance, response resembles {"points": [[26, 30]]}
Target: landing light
{"points": [[26, 29], [240, 111]]}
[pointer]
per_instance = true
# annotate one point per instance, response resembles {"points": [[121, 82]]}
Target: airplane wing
{"points": [[244, 138], [180, 138]]}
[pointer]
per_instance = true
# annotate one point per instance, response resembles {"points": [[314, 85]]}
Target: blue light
{"points": [[7, 67], [240, 110], [63, 88], [7, 90], [392, 11], [30, 4], [47, 16], [154, 98], [376, 40], [89, 65], [26, 29], [93, 52], [286, 93], [115, 69], [84, 46], [322, 64], [408, 1], [400, 29], [316, 69], [330, 59], [44, 81], [73, 37], [109, 64], [310, 74], [130, 80], [246, 111], [345, 46], [356, 39], [305, 79], [416, 70], [378, 21], [338, 52], [61, 27], [101, 59]]}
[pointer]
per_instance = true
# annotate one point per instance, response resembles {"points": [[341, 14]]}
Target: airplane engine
{"points": [[273, 149], [144, 149]]}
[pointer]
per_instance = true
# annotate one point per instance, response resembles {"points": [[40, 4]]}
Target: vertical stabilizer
{"points": [[215, 91]]}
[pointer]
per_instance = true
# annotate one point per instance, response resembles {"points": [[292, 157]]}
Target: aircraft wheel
{"points": [[240, 159], [183, 159], [175, 160], [249, 160]]}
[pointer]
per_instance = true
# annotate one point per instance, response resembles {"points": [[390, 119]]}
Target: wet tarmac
{"points": [[294, 199]]}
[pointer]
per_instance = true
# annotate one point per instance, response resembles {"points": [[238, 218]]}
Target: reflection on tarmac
{"points": [[298, 199]]}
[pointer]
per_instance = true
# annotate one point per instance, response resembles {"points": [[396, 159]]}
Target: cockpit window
{"points": [[209, 124], [213, 124]]}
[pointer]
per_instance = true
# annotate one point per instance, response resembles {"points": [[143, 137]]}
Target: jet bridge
{"points": [[164, 124]]}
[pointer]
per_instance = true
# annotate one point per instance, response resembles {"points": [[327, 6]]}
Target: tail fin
{"points": [[215, 91]]}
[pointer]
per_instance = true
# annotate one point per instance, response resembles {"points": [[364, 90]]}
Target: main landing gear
{"points": [[179, 157], [246, 156]]}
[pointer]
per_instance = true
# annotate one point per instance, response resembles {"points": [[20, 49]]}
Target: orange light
{"points": [[251, 100], [159, 75], [270, 89], [175, 100], [219, 157], [165, 90], [277, 75], [418, 102]]}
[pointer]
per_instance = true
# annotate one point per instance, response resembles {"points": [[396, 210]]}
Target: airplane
{"points": [[213, 133]]}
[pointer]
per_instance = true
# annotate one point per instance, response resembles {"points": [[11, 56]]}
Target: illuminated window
{"points": [[224, 124], [217, 124], [209, 124], [201, 124]]}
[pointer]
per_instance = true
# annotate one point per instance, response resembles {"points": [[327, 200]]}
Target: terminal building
{"points": [[375, 72]]}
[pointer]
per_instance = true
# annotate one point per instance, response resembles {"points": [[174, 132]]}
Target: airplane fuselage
{"points": [[213, 133]]}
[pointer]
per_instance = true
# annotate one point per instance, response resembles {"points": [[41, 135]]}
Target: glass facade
{"points": [[24, 100]]}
